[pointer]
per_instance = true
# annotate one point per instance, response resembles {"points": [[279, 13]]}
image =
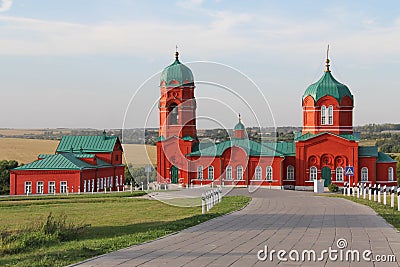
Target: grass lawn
{"points": [[116, 221], [391, 215]]}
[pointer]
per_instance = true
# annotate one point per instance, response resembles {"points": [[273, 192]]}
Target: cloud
{"points": [[5, 5]]}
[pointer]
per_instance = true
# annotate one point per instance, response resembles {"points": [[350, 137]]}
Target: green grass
{"points": [[391, 215], [116, 221]]}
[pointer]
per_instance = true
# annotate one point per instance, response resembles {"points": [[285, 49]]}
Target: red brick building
{"points": [[323, 150], [80, 164]]}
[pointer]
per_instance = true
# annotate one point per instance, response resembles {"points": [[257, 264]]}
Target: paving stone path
{"points": [[282, 220]]}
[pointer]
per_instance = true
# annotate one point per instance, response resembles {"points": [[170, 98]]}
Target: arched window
{"points": [[239, 172], [339, 174], [211, 173], [330, 115], [200, 172], [323, 115], [313, 173], [290, 173], [173, 114], [229, 173], [258, 173], [269, 173], [390, 174], [364, 174]]}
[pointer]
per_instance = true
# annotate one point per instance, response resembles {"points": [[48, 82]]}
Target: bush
{"points": [[333, 188], [54, 229]]}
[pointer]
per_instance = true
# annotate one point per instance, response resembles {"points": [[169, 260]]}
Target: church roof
{"points": [[87, 144], [306, 136], [368, 151], [327, 85], [64, 161], [177, 74], [252, 148], [382, 157]]}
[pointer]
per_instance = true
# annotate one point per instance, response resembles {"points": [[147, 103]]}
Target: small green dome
{"points": [[327, 85], [177, 72], [239, 126]]}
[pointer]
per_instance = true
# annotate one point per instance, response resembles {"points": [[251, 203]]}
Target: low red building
{"points": [[325, 148], [80, 164]]}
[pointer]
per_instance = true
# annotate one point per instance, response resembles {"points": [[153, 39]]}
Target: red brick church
{"points": [[323, 150], [80, 164]]}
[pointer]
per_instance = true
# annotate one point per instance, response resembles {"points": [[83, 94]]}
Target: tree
{"points": [[5, 167]]}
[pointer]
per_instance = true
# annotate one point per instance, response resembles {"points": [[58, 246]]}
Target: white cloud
{"points": [[5, 5]]}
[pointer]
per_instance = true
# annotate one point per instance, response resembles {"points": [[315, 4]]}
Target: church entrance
{"points": [[326, 175], [174, 175]]}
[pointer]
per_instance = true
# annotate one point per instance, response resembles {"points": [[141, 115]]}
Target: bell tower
{"points": [[177, 105], [328, 106]]}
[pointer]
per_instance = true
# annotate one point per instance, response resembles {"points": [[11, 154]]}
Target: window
{"points": [[52, 187], [364, 174], [110, 182], [63, 187], [28, 188], [239, 173], [258, 173], [211, 173], [290, 173], [98, 184], [269, 173], [88, 185], [330, 115], [92, 185], [173, 114], [339, 174], [39, 188], [84, 185], [116, 181], [229, 173], [313, 173], [200, 172], [120, 180], [323, 115], [390, 173]]}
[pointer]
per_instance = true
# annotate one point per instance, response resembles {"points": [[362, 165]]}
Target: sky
{"points": [[79, 63]]}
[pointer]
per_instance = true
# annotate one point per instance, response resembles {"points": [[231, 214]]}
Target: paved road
{"points": [[282, 220]]}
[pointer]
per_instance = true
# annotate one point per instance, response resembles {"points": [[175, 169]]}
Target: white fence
{"points": [[210, 198], [375, 193]]}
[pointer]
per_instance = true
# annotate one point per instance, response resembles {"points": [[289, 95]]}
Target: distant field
{"points": [[13, 132], [140, 155], [368, 142], [27, 150]]}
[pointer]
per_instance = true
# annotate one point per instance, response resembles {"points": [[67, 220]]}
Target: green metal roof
{"points": [[306, 136], [87, 144], [327, 85], [177, 72], [382, 157], [239, 126], [252, 149], [368, 151], [64, 161], [188, 138]]}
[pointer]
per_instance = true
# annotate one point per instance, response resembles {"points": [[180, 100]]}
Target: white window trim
{"points": [[364, 168], [258, 173], [291, 176], [229, 176], [339, 174], [323, 115], [210, 173], [239, 177], [330, 115], [269, 172], [312, 174], [390, 174], [28, 189], [200, 172]]}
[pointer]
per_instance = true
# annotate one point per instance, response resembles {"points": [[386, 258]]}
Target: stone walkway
{"points": [[280, 220]]}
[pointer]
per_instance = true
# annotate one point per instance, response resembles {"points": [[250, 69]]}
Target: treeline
{"points": [[390, 144], [5, 167]]}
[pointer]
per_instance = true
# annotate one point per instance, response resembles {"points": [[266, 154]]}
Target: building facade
{"points": [[324, 149], [80, 164]]}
